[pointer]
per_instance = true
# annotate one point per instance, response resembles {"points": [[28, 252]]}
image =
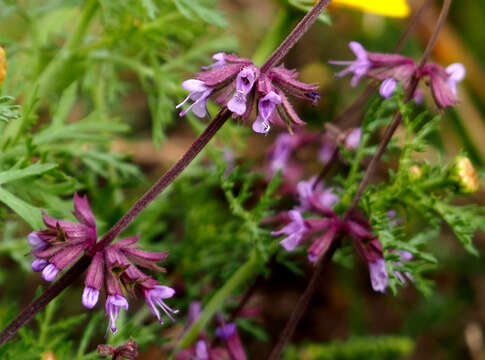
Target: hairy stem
{"points": [[314, 283], [273, 35], [300, 29], [165, 180], [224, 114], [42, 301], [302, 303]]}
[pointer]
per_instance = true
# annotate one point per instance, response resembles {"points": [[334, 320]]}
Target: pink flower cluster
{"points": [[115, 268], [238, 83], [391, 69]]}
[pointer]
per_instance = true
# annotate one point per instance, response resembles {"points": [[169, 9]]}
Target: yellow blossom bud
{"points": [[464, 175], [48, 355], [3, 65], [415, 172]]}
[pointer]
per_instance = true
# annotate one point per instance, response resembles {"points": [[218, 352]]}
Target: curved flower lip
{"points": [[268, 103], [36, 242], [154, 297], [456, 73], [244, 84], [260, 126], [358, 67], [295, 230], [199, 94], [114, 303]]}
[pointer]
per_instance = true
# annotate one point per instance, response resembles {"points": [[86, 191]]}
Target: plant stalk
{"points": [[224, 114], [313, 285]]}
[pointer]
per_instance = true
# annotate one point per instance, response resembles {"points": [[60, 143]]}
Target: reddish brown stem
{"points": [[77, 269], [313, 285]]}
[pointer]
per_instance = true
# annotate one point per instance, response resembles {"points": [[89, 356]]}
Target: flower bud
{"points": [[415, 173], [464, 175], [3, 65]]}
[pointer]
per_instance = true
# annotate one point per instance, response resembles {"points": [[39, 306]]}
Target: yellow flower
{"points": [[464, 175], [392, 8], [3, 65]]}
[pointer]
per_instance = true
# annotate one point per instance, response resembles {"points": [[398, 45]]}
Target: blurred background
{"points": [[449, 324]]}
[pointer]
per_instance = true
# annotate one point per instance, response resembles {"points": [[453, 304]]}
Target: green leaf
{"points": [[32, 215], [33, 170]]}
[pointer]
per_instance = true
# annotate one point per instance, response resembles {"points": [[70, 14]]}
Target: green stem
{"points": [[245, 272], [274, 35]]}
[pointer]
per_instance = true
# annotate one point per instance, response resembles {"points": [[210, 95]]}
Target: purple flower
{"points": [[36, 242], [387, 88], [280, 152], [63, 241], [322, 243], [378, 275], [90, 297], [237, 83], [39, 264], [230, 335], [226, 331], [114, 303], [154, 297], [220, 61], [266, 107], [352, 140], [295, 230], [94, 280], [201, 350], [405, 256], [195, 309], [391, 68], [244, 84], [199, 94], [50, 272], [326, 151], [456, 73], [359, 67], [308, 194]]}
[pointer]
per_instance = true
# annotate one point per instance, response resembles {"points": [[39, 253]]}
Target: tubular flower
{"points": [[295, 230], [322, 226], [115, 267], [3, 65], [393, 68], [61, 244], [238, 84]]}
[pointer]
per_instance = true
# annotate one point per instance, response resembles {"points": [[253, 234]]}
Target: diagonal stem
{"points": [[295, 36], [224, 114], [314, 283]]}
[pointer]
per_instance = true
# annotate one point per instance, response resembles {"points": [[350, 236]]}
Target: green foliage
{"points": [[422, 195], [357, 348]]}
